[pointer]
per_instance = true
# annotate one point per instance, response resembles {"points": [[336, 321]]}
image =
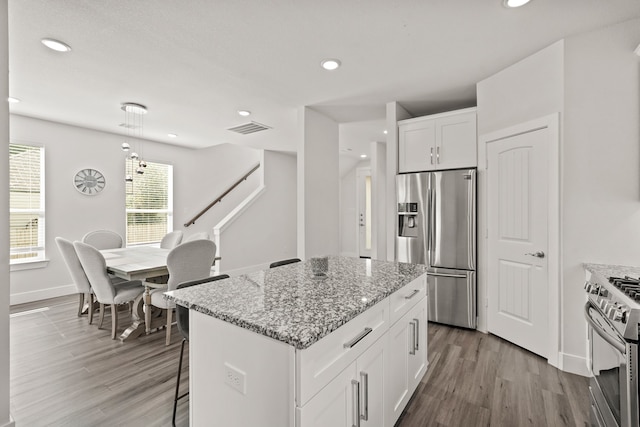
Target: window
{"points": [[26, 203], [150, 204]]}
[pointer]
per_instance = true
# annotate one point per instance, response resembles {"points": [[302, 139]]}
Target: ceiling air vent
{"points": [[247, 128]]}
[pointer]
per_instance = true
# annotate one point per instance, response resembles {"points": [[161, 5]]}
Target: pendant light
{"points": [[134, 123]]}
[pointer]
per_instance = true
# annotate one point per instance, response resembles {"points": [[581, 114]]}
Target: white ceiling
{"points": [[195, 63]]}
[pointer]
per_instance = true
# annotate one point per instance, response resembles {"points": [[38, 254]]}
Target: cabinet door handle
{"points": [[364, 378], [357, 339], [413, 337], [438, 155], [417, 332], [431, 155], [355, 387], [412, 294]]}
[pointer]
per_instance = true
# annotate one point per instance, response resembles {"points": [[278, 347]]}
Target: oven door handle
{"points": [[605, 336]]}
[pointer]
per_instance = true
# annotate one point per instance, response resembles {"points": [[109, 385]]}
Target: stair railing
{"points": [[229, 190]]}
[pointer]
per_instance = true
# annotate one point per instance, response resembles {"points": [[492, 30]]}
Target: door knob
{"points": [[538, 254]]}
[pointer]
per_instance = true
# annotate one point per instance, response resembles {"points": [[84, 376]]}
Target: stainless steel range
{"points": [[613, 314]]}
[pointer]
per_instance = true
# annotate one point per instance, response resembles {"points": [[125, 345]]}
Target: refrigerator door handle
{"points": [[432, 225], [427, 231], [471, 221]]}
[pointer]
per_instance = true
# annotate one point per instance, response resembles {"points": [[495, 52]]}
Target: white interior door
{"points": [[363, 178], [517, 212]]}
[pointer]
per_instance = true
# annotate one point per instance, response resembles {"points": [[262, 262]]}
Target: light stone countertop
{"points": [[602, 272], [288, 304]]}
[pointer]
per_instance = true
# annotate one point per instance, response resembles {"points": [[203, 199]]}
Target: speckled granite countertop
{"points": [[601, 272], [288, 304]]}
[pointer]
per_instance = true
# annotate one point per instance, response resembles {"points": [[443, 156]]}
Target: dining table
{"points": [[139, 263]]}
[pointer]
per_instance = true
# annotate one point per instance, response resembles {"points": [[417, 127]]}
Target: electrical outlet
{"points": [[235, 378]]}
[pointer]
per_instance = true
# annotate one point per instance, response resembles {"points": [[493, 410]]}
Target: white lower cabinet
{"points": [[407, 359], [354, 398], [333, 405], [374, 389]]}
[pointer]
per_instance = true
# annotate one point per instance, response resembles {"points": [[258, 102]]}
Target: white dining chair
{"points": [[171, 240], [197, 236], [103, 239], [188, 261], [77, 275], [95, 267]]}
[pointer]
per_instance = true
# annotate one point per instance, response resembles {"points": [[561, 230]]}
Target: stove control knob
{"points": [[604, 293], [610, 310], [619, 316], [603, 303], [592, 288]]}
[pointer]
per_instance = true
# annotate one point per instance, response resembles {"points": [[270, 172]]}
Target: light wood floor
{"points": [[67, 373]]}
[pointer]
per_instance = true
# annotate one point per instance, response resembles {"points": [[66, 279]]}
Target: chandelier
{"points": [[134, 124]]}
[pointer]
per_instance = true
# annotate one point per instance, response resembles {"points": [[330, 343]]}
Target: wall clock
{"points": [[89, 181]]}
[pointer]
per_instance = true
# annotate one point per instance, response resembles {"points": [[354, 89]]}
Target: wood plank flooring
{"points": [[475, 379], [67, 373]]}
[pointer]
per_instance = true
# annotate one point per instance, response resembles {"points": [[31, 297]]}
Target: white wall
{"points": [[527, 90], [601, 162], [5, 417], [265, 232], [318, 201], [199, 177], [379, 200], [395, 112], [209, 173]]}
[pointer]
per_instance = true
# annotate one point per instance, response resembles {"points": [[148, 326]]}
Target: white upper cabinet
{"points": [[440, 141]]}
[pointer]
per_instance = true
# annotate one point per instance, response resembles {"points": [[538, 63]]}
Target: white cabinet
{"points": [[334, 405], [407, 359], [354, 398], [370, 368], [440, 141]]}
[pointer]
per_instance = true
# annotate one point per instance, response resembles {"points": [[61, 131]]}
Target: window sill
{"points": [[28, 265]]}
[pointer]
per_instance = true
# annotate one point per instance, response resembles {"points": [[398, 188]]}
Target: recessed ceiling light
{"points": [[364, 156], [331, 64], [244, 113], [12, 100], [56, 45], [515, 3], [172, 135], [132, 107], [384, 131]]}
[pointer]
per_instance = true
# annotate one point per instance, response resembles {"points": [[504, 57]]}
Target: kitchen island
{"points": [[282, 347]]}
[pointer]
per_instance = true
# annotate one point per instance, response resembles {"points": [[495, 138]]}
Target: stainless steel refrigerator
{"points": [[436, 226]]}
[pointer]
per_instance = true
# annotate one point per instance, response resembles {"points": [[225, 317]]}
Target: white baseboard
{"points": [[11, 422], [574, 364], [40, 294]]}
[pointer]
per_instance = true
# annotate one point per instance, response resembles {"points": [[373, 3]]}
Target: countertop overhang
{"points": [[289, 304]]}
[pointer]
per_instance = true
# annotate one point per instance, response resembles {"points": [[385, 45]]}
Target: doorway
{"points": [[363, 195], [522, 235]]}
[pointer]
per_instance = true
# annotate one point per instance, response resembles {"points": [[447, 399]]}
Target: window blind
{"points": [[149, 204], [26, 202]]}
